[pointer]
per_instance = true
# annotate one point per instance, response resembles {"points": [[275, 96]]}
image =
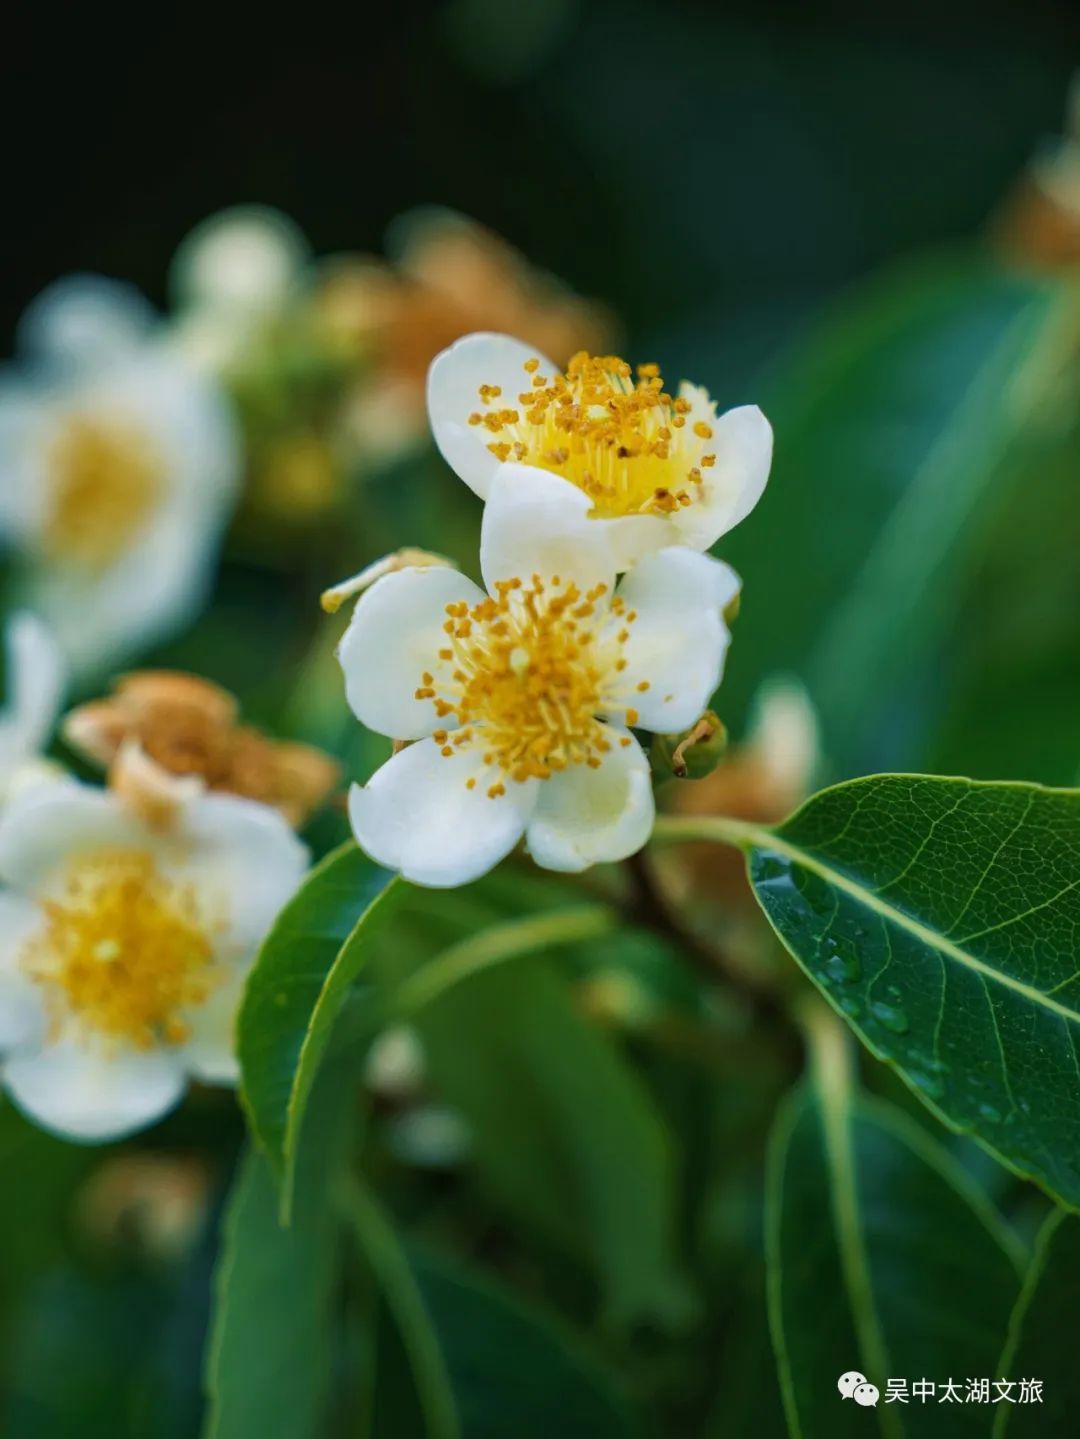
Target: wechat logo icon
{"points": [[854, 1385]]}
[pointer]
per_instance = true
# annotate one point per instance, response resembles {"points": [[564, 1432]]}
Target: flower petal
{"points": [[394, 636], [679, 639], [632, 537], [242, 858], [22, 1014], [535, 522], [454, 382], [594, 816], [84, 322], [87, 1095], [43, 827], [36, 678], [417, 815], [210, 1053], [742, 443]]}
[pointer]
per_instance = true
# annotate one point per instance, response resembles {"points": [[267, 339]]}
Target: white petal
{"points": [[22, 1013], [242, 858], [454, 382], [85, 321], [536, 522], [85, 1094], [594, 816], [25, 419], [416, 815], [678, 641], [44, 827], [394, 636], [36, 679], [742, 443], [632, 537], [210, 1053]]}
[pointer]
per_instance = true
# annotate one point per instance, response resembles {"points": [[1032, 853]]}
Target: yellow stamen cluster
{"points": [[630, 446], [104, 478], [123, 951], [531, 669]]}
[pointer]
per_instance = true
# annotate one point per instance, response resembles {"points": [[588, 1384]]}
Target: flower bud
{"points": [[693, 754]]}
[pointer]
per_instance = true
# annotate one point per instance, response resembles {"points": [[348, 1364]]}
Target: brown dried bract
{"points": [[186, 727]]}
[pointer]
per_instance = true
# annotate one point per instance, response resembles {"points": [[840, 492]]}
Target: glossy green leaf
{"points": [[307, 962], [1042, 1339], [941, 917], [564, 1134], [268, 1361], [893, 424], [483, 1364], [883, 1259]]}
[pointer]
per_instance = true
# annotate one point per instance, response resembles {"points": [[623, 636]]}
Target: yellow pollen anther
{"points": [[123, 952], [530, 671], [624, 443]]}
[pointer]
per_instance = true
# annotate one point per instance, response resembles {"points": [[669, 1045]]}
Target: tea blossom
{"points": [[118, 471], [519, 703], [36, 677], [658, 469], [124, 946]]}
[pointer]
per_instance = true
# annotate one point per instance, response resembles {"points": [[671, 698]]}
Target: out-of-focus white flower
{"points": [[231, 274], [657, 469], [785, 742], [521, 701], [118, 472], [124, 946], [395, 1064], [36, 676]]}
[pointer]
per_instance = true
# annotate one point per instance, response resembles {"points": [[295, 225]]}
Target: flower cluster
{"points": [[327, 358], [516, 707]]}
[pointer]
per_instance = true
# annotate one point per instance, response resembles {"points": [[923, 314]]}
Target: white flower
{"points": [[118, 472], [521, 701], [234, 272], [36, 676], [124, 948], [658, 469]]}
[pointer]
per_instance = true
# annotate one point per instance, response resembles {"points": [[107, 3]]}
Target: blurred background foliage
{"points": [[826, 210]]}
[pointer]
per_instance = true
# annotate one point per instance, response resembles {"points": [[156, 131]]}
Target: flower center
{"points": [[532, 669], [123, 950], [628, 445], [104, 478]]}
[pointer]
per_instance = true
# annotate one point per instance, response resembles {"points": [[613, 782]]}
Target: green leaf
{"points": [[564, 1134], [893, 423], [483, 1364], [272, 1334], [1042, 1337], [940, 917], [313, 953], [884, 1258]]}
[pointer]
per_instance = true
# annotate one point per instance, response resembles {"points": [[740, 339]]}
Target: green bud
{"points": [[693, 754]]}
